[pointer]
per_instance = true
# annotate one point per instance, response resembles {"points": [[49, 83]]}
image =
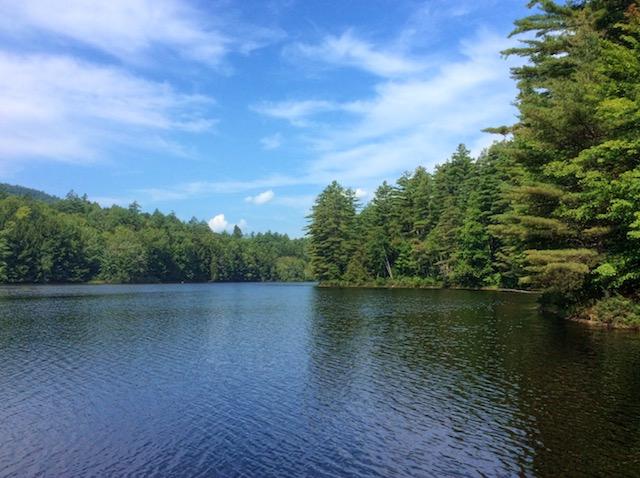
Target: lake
{"points": [[265, 380]]}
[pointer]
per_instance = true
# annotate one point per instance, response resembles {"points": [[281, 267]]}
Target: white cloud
{"points": [[63, 109], [261, 198], [479, 84], [135, 30], [296, 112], [418, 120], [219, 223], [200, 188], [361, 193], [425, 25], [347, 50], [271, 142]]}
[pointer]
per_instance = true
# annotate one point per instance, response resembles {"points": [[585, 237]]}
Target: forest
{"points": [[44, 239], [553, 206]]}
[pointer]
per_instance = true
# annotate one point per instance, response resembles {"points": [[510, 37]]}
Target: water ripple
{"points": [[271, 380]]}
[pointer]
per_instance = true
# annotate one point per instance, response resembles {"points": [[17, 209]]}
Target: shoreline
{"points": [[578, 317], [424, 287], [590, 323], [602, 325], [620, 320]]}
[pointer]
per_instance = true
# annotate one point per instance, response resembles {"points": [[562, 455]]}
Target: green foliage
{"points": [[615, 311], [472, 260], [15, 190], [124, 258], [562, 271], [426, 229], [333, 222], [75, 240], [577, 138], [292, 269], [555, 206]]}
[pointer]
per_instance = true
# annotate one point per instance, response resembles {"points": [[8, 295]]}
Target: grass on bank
{"points": [[615, 311]]}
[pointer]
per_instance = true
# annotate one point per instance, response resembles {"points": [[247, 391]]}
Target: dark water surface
{"points": [[289, 380]]}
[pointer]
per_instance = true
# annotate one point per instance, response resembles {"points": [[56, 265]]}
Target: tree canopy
{"points": [[553, 206], [75, 240]]}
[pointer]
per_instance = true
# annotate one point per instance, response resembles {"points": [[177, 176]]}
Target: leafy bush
{"points": [[616, 311]]}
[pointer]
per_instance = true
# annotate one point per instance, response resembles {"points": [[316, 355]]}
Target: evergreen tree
{"points": [[75, 240], [332, 223], [577, 137]]}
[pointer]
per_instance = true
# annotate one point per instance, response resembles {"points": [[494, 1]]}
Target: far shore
{"points": [[425, 287]]}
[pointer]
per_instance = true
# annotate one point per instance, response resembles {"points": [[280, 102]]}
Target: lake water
{"points": [[262, 380]]}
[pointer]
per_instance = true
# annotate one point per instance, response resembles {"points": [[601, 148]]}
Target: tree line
{"points": [[554, 206], [48, 240]]}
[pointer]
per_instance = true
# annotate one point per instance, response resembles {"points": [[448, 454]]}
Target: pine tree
{"points": [[333, 220], [573, 100], [473, 258]]}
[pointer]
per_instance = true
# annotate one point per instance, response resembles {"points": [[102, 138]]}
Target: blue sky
{"points": [[240, 112]]}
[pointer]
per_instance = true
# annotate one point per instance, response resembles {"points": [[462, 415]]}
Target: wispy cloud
{"points": [[419, 121], [296, 112], [408, 122], [202, 188], [431, 17], [349, 51], [271, 142], [415, 120], [134, 30], [63, 109], [262, 198]]}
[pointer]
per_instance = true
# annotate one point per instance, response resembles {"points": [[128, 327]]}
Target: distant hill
{"points": [[14, 190]]}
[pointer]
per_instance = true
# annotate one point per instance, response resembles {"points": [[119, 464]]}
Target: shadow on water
{"points": [[477, 381]]}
